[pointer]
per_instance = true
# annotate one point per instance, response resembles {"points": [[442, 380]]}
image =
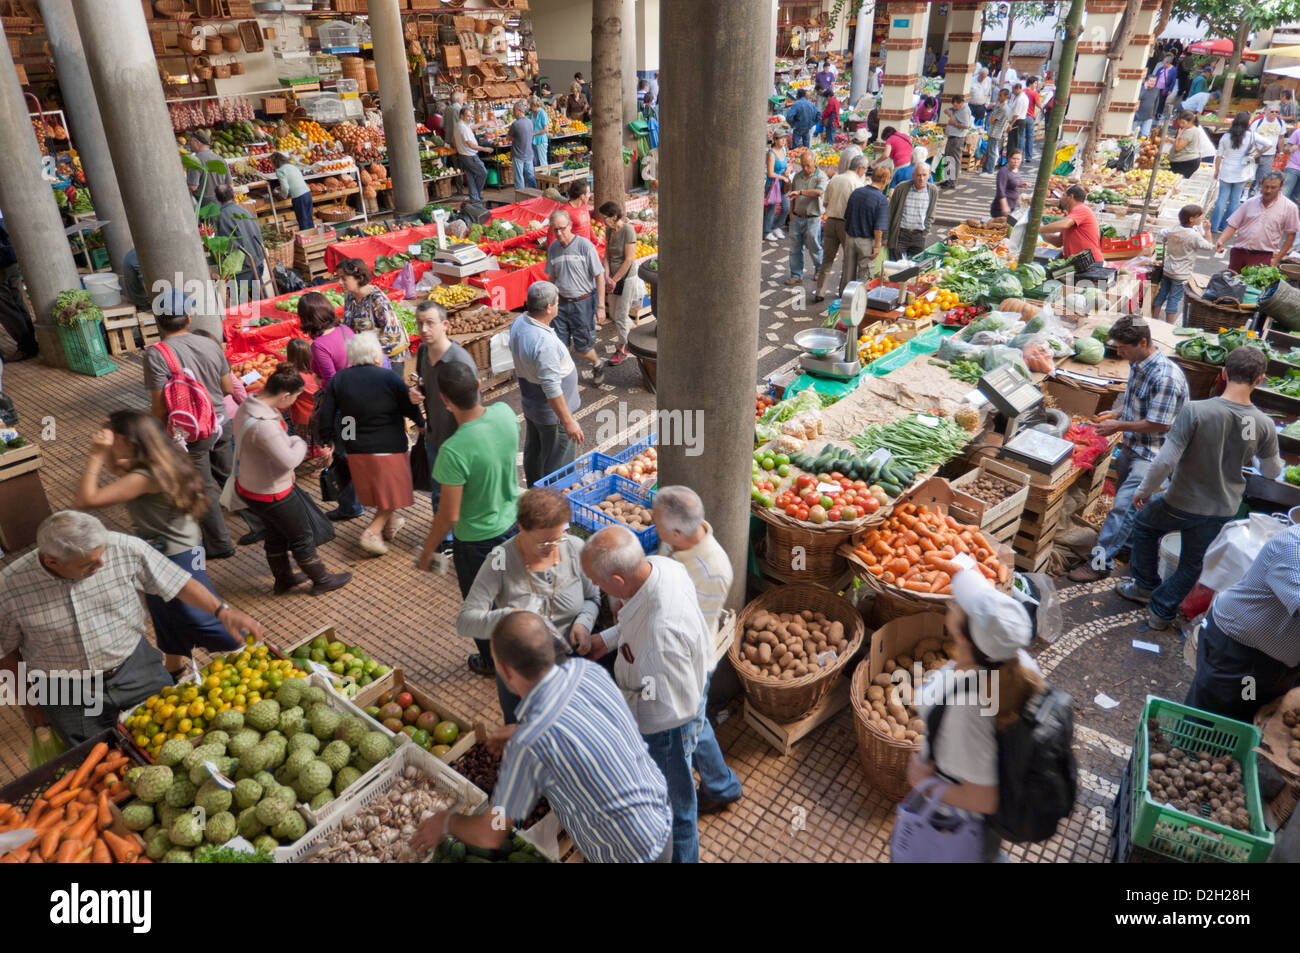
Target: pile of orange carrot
{"points": [[72, 817], [914, 549]]}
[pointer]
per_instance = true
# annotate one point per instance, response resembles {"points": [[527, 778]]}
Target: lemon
{"points": [[141, 739], [184, 725]]}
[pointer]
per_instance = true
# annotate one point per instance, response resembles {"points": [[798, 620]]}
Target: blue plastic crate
{"points": [[588, 517], [567, 477], [645, 443]]}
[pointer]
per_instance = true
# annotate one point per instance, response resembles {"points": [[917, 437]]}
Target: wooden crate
{"points": [[784, 736], [19, 460], [331, 634], [148, 328], [428, 701], [120, 324], [1035, 563], [1006, 532], [973, 510]]}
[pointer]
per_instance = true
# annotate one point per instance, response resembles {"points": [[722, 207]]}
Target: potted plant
{"points": [[226, 258]]}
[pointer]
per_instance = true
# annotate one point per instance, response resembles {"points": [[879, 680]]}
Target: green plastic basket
{"points": [[1188, 837], [83, 344]]}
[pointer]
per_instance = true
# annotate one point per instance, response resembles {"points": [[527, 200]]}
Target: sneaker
{"points": [[770, 237], [1086, 573], [778, 233], [1130, 590], [708, 805], [616, 358], [1156, 622], [791, 281], [481, 665], [598, 373]]}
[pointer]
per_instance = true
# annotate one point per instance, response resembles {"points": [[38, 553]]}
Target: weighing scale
{"points": [[1028, 437], [462, 259], [833, 353]]}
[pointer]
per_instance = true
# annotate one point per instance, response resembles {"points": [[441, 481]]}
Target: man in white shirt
{"points": [[1268, 130], [684, 535], [467, 150], [981, 92], [663, 646], [833, 234], [1019, 116], [875, 78], [1009, 78]]}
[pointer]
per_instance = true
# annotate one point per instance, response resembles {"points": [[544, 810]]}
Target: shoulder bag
{"points": [[230, 498]]}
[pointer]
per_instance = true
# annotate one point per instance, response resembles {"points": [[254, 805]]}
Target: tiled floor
{"points": [[811, 806]]}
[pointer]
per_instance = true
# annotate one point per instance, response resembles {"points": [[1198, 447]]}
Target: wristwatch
{"points": [[221, 608]]}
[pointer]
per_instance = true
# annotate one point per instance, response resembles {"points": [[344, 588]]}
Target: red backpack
{"points": [[190, 415]]}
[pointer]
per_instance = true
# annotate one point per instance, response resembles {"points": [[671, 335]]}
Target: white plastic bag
{"points": [[1235, 548], [499, 352]]}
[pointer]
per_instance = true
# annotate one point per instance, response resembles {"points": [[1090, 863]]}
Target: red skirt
{"points": [[382, 480]]}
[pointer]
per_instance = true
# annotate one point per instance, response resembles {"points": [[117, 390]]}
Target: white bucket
{"points": [[105, 289], [1171, 547]]}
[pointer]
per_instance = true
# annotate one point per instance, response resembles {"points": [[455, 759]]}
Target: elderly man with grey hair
{"points": [[579, 276], [203, 185], [684, 535], [663, 646], [548, 385], [834, 236], [70, 610]]}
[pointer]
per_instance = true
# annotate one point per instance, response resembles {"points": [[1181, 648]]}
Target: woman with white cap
{"points": [[982, 691]]}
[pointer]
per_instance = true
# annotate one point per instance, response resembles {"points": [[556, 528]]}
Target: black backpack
{"points": [[1037, 774]]}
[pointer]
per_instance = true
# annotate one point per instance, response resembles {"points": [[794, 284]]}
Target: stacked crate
{"points": [[1001, 520], [970, 161], [309, 251]]}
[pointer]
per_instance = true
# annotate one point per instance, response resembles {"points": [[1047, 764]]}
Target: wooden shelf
{"points": [[264, 208]]}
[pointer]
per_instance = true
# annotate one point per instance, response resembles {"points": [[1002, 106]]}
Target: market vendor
{"points": [[234, 221], [911, 212], [1201, 81], [926, 110], [203, 184], [801, 116], [579, 209], [576, 745], [960, 122], [1202, 457], [294, 188], [866, 219], [1078, 230], [70, 609], [1251, 635], [1154, 394], [662, 640], [1264, 227]]}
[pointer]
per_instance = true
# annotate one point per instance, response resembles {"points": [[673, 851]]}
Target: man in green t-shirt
{"points": [[480, 486]]}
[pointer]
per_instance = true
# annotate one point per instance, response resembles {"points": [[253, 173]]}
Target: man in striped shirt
{"points": [[663, 646], [1248, 652], [679, 517], [577, 746]]}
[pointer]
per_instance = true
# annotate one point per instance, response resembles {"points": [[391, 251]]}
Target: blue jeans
{"points": [[716, 779], [1290, 183], [1196, 533], [1170, 294], [805, 231], [1142, 127], [1227, 202], [178, 626], [800, 137], [1028, 144], [672, 751], [1129, 471], [302, 208], [991, 154], [774, 216], [523, 170], [576, 323], [540, 150], [475, 176]]}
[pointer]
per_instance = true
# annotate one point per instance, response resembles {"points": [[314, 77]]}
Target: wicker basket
{"points": [[334, 213], [789, 700], [281, 254], [884, 758], [1201, 377], [231, 41], [1290, 271], [174, 9], [808, 554], [221, 71], [1210, 315]]}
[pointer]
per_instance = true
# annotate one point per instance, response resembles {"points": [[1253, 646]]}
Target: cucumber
{"points": [[893, 489], [872, 471]]}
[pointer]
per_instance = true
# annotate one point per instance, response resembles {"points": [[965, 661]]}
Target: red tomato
{"points": [[868, 504], [824, 477], [803, 513], [859, 485], [791, 510], [834, 513], [837, 475], [846, 483], [805, 480], [838, 500]]}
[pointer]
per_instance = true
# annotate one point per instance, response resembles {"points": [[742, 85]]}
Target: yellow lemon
{"points": [[196, 707], [184, 725], [141, 739]]}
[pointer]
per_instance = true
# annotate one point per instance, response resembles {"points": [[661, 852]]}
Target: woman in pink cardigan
{"points": [[265, 460]]}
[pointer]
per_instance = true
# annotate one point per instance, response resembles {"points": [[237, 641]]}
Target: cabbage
{"points": [[1089, 351], [1102, 333], [1005, 285]]}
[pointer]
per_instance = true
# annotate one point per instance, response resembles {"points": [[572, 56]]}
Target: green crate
{"points": [[1187, 837], [83, 345]]}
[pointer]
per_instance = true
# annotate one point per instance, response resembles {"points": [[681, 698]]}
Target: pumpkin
{"points": [[1026, 309]]}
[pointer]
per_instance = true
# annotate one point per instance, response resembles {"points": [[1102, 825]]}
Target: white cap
{"points": [[998, 624], [860, 134]]}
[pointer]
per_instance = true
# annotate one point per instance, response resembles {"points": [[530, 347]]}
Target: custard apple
{"points": [[152, 831], [151, 784], [345, 777], [248, 825], [295, 763], [263, 715], [181, 793], [291, 721], [159, 844], [266, 842], [315, 777], [228, 720], [185, 831], [220, 828], [320, 800], [138, 815], [323, 722], [213, 798], [242, 742], [304, 741], [168, 814], [375, 747], [312, 695], [336, 755], [266, 780], [178, 855], [290, 692], [271, 810], [290, 828], [174, 751], [247, 793], [361, 764], [217, 737], [351, 730], [204, 752], [261, 757]]}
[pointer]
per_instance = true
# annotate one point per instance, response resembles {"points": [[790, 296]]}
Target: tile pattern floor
{"points": [[811, 806]]}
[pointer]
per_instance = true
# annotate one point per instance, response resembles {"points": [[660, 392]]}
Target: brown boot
{"points": [[322, 580], [1086, 573], [282, 570]]}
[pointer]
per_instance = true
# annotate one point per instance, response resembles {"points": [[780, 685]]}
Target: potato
{"points": [[751, 653], [1291, 717], [879, 706], [897, 711], [950, 649], [797, 629], [767, 638], [836, 631], [774, 670], [927, 646], [910, 735], [787, 676], [905, 662], [1293, 753], [917, 725], [787, 660], [883, 679], [905, 692], [764, 654], [800, 668], [899, 733], [821, 619], [876, 693], [806, 615]]}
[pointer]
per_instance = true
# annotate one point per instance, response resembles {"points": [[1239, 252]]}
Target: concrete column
{"points": [[862, 50], [31, 215], [965, 23], [143, 146], [87, 126], [399, 112], [1090, 65], [607, 100], [776, 6], [904, 55], [714, 57], [1132, 71]]}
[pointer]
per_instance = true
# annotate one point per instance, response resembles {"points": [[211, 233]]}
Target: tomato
{"points": [[803, 513], [838, 500], [805, 480], [846, 483], [849, 513], [791, 509], [783, 469], [834, 513], [823, 478], [825, 502], [868, 504], [817, 514], [836, 477], [859, 485]]}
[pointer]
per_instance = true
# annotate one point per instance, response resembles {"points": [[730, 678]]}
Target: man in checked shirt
{"points": [[663, 646], [1155, 393]]}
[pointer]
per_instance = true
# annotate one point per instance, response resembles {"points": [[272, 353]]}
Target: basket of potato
{"points": [[792, 642], [888, 726]]}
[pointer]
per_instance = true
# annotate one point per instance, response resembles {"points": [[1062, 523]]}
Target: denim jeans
{"points": [[716, 779], [1222, 666], [1142, 127], [1290, 183], [546, 448], [540, 150], [1129, 471], [1027, 145], [774, 216], [475, 176], [575, 324], [1170, 294], [672, 751], [805, 231], [800, 137], [1230, 194], [523, 172], [991, 154], [302, 210], [1196, 533]]}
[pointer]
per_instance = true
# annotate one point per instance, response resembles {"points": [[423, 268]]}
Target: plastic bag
{"points": [[954, 348], [1225, 284], [1000, 354], [1038, 356], [1017, 238], [1037, 593], [405, 282], [46, 746], [1235, 548], [287, 280], [769, 425]]}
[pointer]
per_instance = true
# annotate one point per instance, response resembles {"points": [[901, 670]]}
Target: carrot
{"points": [[100, 854], [50, 818], [38, 808], [940, 580], [108, 765], [83, 827], [57, 786], [881, 548], [119, 792], [898, 566], [988, 573], [83, 855], [927, 545], [8, 811], [97, 754], [22, 853], [85, 796], [1003, 574], [142, 859], [909, 537], [876, 570], [63, 797], [68, 851], [914, 553], [886, 576], [104, 816], [917, 585], [35, 858], [960, 546], [870, 539], [911, 573], [10, 859], [123, 850], [50, 842]]}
